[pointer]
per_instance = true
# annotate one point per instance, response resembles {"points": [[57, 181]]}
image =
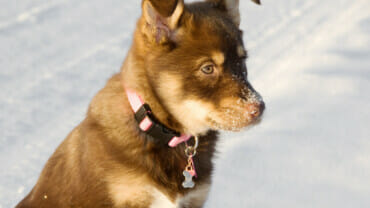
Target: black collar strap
{"points": [[148, 123], [157, 132]]}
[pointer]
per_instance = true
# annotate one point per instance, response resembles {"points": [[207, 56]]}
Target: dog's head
{"points": [[195, 62]]}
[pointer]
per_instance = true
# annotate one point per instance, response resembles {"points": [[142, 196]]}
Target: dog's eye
{"points": [[208, 69]]}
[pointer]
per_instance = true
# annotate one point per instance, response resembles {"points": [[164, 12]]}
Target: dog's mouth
{"points": [[215, 125], [236, 118]]}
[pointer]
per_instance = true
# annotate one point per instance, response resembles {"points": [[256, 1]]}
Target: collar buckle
{"points": [[151, 126]]}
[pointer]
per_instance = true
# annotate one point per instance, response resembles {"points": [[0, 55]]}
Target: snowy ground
{"points": [[309, 59]]}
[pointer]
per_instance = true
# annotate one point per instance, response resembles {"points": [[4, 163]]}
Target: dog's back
{"points": [[74, 174]]}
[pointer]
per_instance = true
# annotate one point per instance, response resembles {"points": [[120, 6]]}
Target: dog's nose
{"points": [[256, 109]]}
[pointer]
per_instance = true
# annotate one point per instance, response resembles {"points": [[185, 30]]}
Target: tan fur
{"points": [[218, 58], [125, 187], [241, 51]]}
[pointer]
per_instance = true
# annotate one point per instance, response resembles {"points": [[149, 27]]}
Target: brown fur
{"points": [[106, 161]]}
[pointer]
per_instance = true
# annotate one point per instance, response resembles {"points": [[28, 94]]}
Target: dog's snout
{"points": [[255, 109]]}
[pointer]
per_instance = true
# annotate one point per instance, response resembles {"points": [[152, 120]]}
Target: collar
{"points": [[150, 125]]}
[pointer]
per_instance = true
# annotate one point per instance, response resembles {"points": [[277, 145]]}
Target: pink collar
{"points": [[147, 122]]}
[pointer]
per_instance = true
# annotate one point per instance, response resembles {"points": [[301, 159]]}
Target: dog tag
{"points": [[189, 173], [188, 182]]}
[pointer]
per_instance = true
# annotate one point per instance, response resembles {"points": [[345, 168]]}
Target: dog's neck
{"points": [[133, 76]]}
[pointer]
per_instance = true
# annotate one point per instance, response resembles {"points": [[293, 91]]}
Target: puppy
{"points": [[149, 135]]}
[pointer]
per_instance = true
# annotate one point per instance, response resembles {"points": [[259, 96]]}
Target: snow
{"points": [[310, 60]]}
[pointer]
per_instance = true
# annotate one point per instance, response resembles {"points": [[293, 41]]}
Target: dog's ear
{"points": [[232, 8], [162, 18]]}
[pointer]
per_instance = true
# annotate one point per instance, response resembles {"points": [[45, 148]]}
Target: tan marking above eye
{"points": [[218, 58], [241, 51]]}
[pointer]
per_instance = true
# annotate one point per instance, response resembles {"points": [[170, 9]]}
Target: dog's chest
{"points": [[136, 196], [195, 198]]}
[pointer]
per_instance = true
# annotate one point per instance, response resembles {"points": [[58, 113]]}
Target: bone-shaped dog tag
{"points": [[189, 171], [188, 182]]}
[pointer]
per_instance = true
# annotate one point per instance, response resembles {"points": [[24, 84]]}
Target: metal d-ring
{"points": [[191, 151]]}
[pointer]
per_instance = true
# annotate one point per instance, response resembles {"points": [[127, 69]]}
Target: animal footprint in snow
{"points": [[188, 182]]}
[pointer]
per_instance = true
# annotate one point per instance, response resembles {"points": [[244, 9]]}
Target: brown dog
{"points": [[187, 62]]}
